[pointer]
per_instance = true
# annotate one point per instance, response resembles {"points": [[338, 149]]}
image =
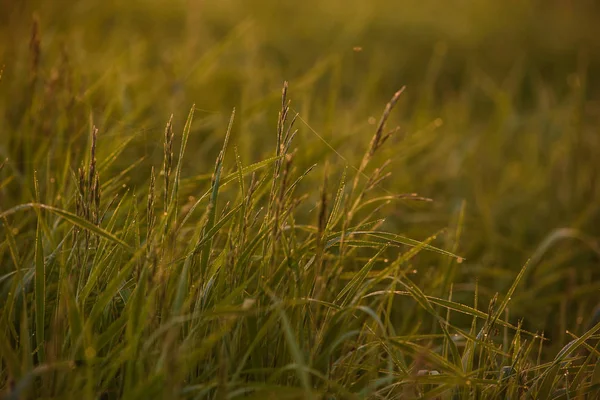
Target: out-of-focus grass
{"points": [[498, 125]]}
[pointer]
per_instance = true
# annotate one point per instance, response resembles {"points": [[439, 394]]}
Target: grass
{"points": [[178, 221]]}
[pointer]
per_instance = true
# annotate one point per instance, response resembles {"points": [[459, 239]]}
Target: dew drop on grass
{"points": [[248, 303]]}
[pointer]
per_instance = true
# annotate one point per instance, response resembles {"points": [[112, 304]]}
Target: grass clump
{"points": [[298, 263], [249, 297]]}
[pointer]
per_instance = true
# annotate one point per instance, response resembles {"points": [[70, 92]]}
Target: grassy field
{"points": [[299, 200]]}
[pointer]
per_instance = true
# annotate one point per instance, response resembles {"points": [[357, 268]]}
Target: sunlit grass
{"points": [[177, 225]]}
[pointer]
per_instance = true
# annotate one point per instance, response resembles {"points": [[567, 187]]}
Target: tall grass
{"points": [[197, 309], [276, 249]]}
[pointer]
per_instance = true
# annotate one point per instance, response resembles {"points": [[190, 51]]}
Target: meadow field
{"points": [[265, 199]]}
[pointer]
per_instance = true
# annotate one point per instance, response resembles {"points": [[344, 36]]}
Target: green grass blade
{"points": [[212, 205], [40, 292], [72, 218], [296, 353], [184, 139]]}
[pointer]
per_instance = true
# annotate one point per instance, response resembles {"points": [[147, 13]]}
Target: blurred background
{"points": [[499, 117]]}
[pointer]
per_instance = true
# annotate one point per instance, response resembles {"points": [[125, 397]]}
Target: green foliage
{"points": [[301, 263]]}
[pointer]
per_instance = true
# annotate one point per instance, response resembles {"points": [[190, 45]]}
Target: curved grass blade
{"points": [[72, 218]]}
